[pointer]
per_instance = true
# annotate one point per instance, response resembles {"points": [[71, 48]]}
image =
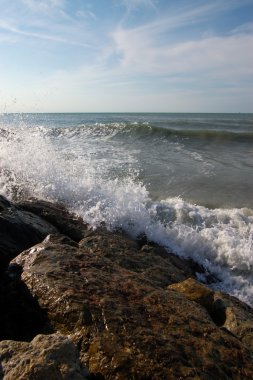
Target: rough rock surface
{"points": [[126, 321], [46, 357]]}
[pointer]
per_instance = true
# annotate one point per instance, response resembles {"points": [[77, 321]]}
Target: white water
{"points": [[98, 179]]}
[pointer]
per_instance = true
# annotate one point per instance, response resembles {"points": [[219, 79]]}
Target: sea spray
{"points": [[98, 171]]}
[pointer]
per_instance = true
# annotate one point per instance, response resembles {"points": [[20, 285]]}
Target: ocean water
{"points": [[185, 180]]}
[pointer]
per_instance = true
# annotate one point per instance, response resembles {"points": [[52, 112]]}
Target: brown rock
{"points": [[151, 262], [126, 325], [46, 357]]}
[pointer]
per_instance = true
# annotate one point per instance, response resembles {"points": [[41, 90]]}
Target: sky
{"points": [[126, 56]]}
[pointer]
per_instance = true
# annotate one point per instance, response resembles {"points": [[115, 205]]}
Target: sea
{"points": [[183, 179]]}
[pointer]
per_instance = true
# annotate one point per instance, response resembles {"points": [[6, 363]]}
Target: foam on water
{"points": [[98, 178]]}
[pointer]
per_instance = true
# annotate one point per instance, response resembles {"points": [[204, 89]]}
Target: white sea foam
{"points": [[99, 180]]}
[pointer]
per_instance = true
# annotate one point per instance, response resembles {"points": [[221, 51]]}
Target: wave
{"points": [[147, 130], [76, 166], [173, 129]]}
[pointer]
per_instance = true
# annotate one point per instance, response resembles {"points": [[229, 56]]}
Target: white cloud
{"points": [[130, 68], [50, 37], [45, 20], [151, 48], [140, 54]]}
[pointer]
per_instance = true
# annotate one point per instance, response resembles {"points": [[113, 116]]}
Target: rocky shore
{"points": [[78, 303]]}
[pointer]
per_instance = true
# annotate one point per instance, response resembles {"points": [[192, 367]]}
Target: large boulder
{"points": [[66, 223], [46, 357], [27, 223], [127, 323]]}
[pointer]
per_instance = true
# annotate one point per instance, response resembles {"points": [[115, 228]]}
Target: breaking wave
{"points": [[85, 168]]}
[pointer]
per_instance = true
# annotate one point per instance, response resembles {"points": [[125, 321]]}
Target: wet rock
{"points": [[19, 230], [151, 262], [126, 324], [51, 357], [56, 214]]}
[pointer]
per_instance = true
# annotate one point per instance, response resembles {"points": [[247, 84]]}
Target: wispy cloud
{"points": [[15, 30], [192, 13], [244, 28], [129, 49], [213, 61], [43, 5], [132, 5], [86, 14], [140, 54], [144, 50], [46, 20]]}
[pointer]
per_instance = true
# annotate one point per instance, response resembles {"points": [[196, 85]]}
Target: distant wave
{"points": [[147, 130], [190, 132]]}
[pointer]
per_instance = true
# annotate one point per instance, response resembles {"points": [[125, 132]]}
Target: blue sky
{"points": [[126, 55]]}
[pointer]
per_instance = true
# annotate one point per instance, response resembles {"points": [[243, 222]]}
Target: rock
{"points": [[127, 324], [56, 214], [51, 357], [152, 262], [19, 230]]}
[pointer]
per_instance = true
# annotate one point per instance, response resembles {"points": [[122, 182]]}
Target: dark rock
{"points": [[19, 230], [56, 214], [14, 271], [4, 203], [126, 324], [47, 357], [21, 317]]}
